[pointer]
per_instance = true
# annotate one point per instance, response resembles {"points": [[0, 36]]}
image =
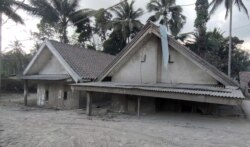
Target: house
{"points": [[245, 82], [55, 66], [140, 80]]}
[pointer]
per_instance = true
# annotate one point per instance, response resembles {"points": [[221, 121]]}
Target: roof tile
{"points": [[87, 63]]}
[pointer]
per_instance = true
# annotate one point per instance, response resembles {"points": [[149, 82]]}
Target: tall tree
{"points": [[58, 13], [7, 8], [114, 44], [229, 11], [201, 7], [83, 27], [15, 60], [126, 20], [168, 13], [216, 49], [103, 23]]}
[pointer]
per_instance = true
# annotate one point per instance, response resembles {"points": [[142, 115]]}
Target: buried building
{"points": [[154, 69], [55, 66]]}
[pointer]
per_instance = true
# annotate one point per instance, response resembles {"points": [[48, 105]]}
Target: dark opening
{"points": [[65, 95], [248, 90], [183, 106], [46, 95], [107, 79], [170, 61], [186, 108]]}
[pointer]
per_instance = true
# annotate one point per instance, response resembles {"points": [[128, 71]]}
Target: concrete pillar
{"points": [[138, 105], [25, 93], [89, 104]]}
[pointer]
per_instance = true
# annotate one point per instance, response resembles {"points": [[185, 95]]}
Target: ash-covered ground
{"points": [[36, 127]]}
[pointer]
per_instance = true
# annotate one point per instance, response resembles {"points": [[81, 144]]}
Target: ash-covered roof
{"points": [[87, 63], [48, 77], [80, 63], [193, 89]]}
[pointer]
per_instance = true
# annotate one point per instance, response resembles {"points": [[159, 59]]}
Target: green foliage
{"points": [[216, 52], [239, 3], [168, 13], [57, 13], [124, 26], [14, 61], [45, 30], [103, 23], [84, 30], [126, 20], [6, 7], [114, 44], [201, 7]]}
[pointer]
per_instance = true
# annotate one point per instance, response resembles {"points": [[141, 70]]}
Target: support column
{"points": [[25, 93], [89, 104], [138, 106]]}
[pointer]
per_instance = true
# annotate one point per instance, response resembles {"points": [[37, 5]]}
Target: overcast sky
{"points": [[241, 23]]}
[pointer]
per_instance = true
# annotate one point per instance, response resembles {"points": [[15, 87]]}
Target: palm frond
{"points": [[240, 5], [214, 4], [8, 11], [153, 5], [45, 10]]}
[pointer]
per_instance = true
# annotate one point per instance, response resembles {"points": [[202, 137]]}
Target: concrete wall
{"points": [[53, 66], [47, 63], [43, 58], [141, 68], [146, 67], [244, 80], [183, 70], [56, 96]]}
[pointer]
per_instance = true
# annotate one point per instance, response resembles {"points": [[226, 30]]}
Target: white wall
{"points": [[53, 66], [40, 94], [184, 71], [153, 71], [56, 93], [136, 71]]}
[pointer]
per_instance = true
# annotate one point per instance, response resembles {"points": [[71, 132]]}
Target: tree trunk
{"points": [[230, 41], [65, 38]]}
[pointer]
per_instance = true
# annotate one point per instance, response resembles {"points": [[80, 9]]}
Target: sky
{"points": [[241, 24]]}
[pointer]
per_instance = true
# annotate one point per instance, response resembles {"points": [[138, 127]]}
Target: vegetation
{"points": [[229, 10], [201, 7], [216, 51], [168, 13], [58, 13], [239, 3], [125, 25], [126, 20], [6, 8], [15, 60]]}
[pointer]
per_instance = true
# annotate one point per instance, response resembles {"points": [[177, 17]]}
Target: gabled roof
{"points": [[80, 63], [151, 28]]}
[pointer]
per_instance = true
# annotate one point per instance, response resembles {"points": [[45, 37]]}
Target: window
{"points": [[46, 95], [65, 95], [169, 60]]}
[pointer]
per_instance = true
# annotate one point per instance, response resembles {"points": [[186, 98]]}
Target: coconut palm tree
{"points": [[58, 13], [168, 13], [126, 20], [229, 11]]}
